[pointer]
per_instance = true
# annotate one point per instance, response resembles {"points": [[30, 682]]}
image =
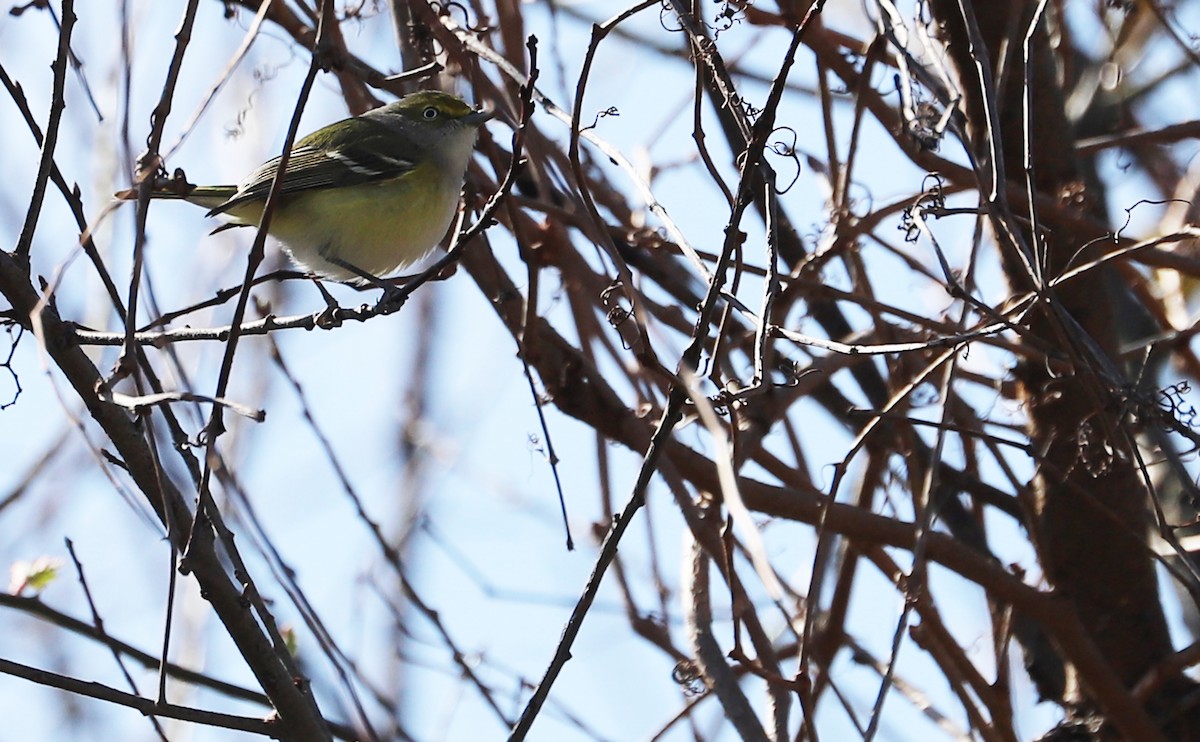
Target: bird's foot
{"points": [[328, 318], [392, 299]]}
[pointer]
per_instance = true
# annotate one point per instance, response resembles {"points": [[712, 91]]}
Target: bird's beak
{"points": [[480, 116]]}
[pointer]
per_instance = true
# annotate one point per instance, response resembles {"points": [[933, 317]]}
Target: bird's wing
{"points": [[327, 159]]}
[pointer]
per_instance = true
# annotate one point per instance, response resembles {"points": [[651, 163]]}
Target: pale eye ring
{"points": [[430, 113]]}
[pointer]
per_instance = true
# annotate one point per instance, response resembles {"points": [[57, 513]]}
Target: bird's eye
{"points": [[430, 113]]}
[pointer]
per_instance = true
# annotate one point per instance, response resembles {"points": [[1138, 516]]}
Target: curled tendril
{"points": [[932, 198], [7, 364], [610, 111], [615, 314], [749, 108], [687, 675], [1146, 202], [664, 12], [934, 183], [788, 151], [727, 17], [1172, 402], [446, 8]]}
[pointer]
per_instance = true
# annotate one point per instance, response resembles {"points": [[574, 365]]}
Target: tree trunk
{"points": [[1092, 505]]}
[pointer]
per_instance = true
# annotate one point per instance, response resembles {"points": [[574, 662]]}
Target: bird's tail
{"points": [[209, 197]]}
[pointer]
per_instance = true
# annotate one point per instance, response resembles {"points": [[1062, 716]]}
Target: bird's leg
{"points": [[328, 316], [393, 297]]}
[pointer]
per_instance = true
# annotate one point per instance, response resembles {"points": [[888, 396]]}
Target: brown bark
{"points": [[1092, 503]]}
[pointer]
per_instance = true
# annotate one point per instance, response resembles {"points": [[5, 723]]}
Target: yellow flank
{"points": [[379, 228]]}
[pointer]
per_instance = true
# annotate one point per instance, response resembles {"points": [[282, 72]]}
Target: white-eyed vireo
{"points": [[361, 198]]}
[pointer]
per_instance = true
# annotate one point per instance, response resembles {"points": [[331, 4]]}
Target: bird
{"points": [[362, 198]]}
